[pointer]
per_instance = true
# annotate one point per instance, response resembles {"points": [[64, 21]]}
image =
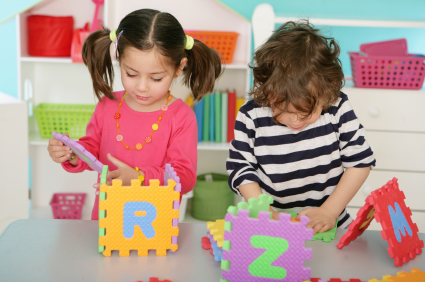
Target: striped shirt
{"points": [[299, 169]]}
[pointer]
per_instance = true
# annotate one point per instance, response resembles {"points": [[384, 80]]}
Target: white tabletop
{"points": [[66, 250]]}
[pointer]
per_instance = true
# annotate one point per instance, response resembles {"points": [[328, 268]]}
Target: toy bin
{"points": [[395, 72], [67, 205], [63, 118], [223, 42], [50, 36], [211, 197]]}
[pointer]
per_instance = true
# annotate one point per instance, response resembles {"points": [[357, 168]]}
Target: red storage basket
{"points": [[395, 72], [50, 36], [67, 205]]}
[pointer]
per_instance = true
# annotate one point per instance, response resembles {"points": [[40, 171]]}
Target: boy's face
{"points": [[294, 120]]}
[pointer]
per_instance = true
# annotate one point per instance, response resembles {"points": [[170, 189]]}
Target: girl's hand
{"points": [[320, 219], [124, 172], [59, 152]]}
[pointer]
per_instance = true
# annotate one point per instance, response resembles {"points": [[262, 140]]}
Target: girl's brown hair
{"points": [[297, 66], [145, 30]]}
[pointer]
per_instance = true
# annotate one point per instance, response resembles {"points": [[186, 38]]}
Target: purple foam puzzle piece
{"points": [[169, 173], [242, 254], [82, 153]]}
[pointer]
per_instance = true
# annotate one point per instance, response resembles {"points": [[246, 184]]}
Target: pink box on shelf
{"points": [[67, 205], [395, 72]]}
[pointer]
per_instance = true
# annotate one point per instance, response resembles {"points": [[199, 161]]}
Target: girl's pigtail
{"points": [[97, 58], [203, 67]]}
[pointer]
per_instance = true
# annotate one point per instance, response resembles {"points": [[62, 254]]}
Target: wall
{"points": [[8, 58], [350, 38]]}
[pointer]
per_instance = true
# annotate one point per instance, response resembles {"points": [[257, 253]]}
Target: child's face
{"points": [[294, 120], [146, 78]]}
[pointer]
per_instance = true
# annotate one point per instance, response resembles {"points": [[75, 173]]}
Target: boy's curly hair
{"points": [[297, 66]]}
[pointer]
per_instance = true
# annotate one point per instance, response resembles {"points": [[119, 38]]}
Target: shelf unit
{"points": [[58, 80]]}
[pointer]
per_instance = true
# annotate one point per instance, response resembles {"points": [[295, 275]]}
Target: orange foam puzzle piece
{"points": [[161, 197]]}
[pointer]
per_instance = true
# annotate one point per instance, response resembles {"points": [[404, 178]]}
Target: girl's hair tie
{"points": [[189, 42], [114, 38]]}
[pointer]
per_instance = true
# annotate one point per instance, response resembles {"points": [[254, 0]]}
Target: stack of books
{"points": [[216, 114]]}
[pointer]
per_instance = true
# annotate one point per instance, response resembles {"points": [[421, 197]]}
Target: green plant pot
{"points": [[211, 199]]}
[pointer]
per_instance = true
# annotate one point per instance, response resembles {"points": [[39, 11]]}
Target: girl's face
{"points": [[147, 78], [293, 119]]}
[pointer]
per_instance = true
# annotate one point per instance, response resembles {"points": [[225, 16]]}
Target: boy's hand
{"points": [[59, 152], [320, 219], [124, 172]]}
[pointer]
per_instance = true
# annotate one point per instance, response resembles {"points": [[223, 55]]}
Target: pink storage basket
{"points": [[67, 205], [395, 72]]}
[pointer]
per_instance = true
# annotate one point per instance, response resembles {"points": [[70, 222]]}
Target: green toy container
{"points": [[63, 118], [211, 198]]}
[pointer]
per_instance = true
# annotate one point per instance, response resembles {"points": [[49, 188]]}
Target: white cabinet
{"points": [[395, 129], [13, 160], [58, 80]]}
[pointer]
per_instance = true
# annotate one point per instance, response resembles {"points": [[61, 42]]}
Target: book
{"points": [[224, 109], [212, 117], [231, 117], [189, 100], [217, 97], [199, 112], [206, 129], [239, 104]]}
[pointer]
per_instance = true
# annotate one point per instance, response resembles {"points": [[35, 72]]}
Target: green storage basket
{"points": [[63, 118], [211, 199]]}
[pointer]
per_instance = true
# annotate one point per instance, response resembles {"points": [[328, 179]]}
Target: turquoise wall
{"points": [[350, 38], [10, 8], [8, 46], [8, 58]]}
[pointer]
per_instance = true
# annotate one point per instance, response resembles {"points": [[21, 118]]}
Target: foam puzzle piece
{"points": [[217, 251], [416, 275], [170, 174], [82, 153], [384, 279], [254, 205], [113, 226], [387, 206], [245, 239], [326, 236], [216, 229], [155, 279], [334, 280], [395, 218], [206, 244], [364, 217]]}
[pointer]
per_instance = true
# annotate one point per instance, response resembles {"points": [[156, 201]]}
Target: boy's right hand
{"points": [[59, 152]]}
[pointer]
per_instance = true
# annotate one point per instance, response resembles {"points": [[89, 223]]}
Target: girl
{"points": [[294, 140], [143, 126]]}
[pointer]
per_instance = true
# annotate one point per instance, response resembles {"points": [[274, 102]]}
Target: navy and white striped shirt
{"points": [[299, 169]]}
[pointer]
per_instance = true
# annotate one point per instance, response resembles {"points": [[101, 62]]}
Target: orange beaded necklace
{"points": [[148, 139]]}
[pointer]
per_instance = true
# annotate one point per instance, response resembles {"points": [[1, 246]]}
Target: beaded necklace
{"points": [[148, 139]]}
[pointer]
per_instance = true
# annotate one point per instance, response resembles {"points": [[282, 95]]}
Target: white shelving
{"points": [[36, 140]]}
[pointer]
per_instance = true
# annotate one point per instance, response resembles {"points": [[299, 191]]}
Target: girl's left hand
{"points": [[124, 172], [320, 219]]}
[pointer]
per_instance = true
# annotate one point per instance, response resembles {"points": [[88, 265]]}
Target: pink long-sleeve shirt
{"points": [[175, 141]]}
